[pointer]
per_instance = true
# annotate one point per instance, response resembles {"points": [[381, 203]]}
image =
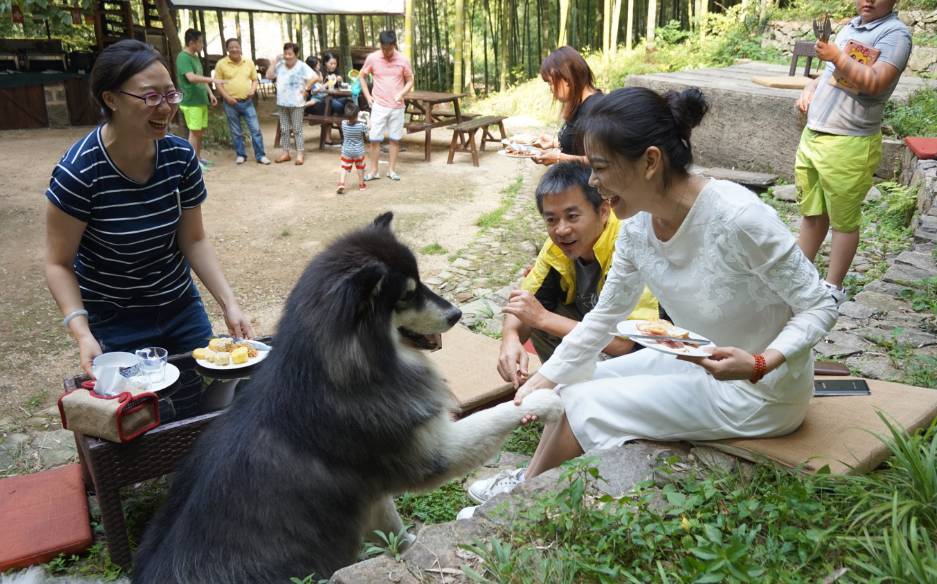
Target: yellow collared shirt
{"points": [[237, 76]]}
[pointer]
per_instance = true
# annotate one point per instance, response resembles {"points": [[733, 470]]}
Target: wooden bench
{"points": [[463, 135], [314, 120]]}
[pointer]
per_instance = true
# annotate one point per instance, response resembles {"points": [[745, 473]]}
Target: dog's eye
{"points": [[407, 297]]}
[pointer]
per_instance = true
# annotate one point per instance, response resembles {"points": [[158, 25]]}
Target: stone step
{"points": [[760, 180]]}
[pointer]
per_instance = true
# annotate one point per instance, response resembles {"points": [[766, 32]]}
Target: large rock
{"points": [[11, 447], [55, 448], [874, 367], [856, 311], [879, 301], [479, 310], [840, 344], [785, 193], [900, 273], [379, 570]]}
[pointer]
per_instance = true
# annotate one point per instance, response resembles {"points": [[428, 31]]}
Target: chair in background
{"points": [[803, 49], [267, 88]]}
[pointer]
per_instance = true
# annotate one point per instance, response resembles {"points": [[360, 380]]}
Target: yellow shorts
{"points": [[196, 116], [833, 174]]}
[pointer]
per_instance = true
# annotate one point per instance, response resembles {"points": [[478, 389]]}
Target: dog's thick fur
{"points": [[338, 419]]}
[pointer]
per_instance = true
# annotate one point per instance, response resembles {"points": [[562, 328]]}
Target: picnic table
{"points": [[421, 105]]}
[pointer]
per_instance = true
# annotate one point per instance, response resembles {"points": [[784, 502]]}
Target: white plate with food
{"points": [[522, 154], [227, 354], [663, 336], [526, 139]]}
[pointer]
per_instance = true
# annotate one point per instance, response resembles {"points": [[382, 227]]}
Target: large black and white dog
{"points": [[339, 418]]}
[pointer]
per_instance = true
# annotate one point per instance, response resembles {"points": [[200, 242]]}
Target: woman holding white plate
{"points": [[726, 268]]}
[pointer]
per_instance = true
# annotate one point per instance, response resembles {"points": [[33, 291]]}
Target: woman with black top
{"points": [[573, 85]]}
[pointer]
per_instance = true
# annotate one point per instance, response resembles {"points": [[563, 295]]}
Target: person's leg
{"points": [[184, 324], [850, 178], [555, 447], [233, 114], [195, 138], [284, 134], [813, 231], [359, 166], [253, 126], [545, 343], [395, 130], [378, 123], [811, 198], [343, 173], [296, 115]]}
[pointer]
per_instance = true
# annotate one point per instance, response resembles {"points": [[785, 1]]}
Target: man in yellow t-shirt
{"points": [[240, 85], [568, 275]]}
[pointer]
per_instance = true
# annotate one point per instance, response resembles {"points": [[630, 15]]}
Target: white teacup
{"points": [[111, 370]]}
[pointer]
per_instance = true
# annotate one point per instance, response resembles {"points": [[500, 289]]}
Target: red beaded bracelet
{"points": [[761, 367]]}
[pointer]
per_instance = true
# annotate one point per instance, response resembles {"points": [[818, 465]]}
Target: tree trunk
{"points": [[237, 26], [299, 34], [343, 45], [651, 23], [616, 24], [563, 38], [485, 37], [204, 31], [361, 41], [220, 18], [408, 29], [458, 40], [172, 33], [468, 52], [505, 38], [606, 29], [527, 39], [250, 25], [322, 32], [703, 16]]}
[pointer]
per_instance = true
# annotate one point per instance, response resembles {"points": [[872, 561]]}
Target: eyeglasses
{"points": [[155, 99]]}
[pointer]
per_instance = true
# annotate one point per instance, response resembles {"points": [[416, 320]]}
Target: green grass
{"points": [[770, 525], [916, 118], [496, 217], [433, 249], [436, 506]]}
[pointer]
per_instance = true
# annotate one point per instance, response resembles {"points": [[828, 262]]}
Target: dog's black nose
{"points": [[454, 316]]}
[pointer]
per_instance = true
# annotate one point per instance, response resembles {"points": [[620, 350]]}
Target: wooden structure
{"points": [[463, 135]]}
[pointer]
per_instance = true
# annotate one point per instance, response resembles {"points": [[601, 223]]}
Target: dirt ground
{"points": [[265, 223]]}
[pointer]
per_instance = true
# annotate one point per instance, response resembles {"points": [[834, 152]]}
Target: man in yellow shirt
{"points": [[568, 275], [240, 85]]}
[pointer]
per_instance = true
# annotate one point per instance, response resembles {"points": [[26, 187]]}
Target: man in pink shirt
{"points": [[393, 78]]}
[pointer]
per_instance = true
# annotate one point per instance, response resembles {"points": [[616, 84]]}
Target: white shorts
{"points": [[385, 119]]}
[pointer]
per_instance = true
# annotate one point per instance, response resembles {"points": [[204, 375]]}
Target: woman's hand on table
{"points": [[536, 382], [239, 325], [726, 363], [88, 349], [545, 141]]}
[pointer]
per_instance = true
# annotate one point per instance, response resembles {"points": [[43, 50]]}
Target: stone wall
{"points": [[782, 34], [922, 174]]}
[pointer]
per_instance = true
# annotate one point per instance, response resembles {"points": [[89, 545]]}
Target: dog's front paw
{"points": [[543, 403]]}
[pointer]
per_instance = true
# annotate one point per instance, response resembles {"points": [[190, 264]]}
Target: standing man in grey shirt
{"points": [[842, 144]]}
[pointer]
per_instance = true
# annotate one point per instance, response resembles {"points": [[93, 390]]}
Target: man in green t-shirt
{"points": [[196, 90]]}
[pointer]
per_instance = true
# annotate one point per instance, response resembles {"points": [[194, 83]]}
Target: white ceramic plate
{"points": [[261, 355], [629, 328], [170, 376], [514, 155]]}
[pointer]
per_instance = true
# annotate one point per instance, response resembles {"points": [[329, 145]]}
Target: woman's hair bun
{"points": [[688, 108]]}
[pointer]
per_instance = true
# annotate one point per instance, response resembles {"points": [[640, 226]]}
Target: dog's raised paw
{"points": [[545, 404]]}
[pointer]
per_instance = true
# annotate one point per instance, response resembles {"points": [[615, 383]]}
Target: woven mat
{"points": [[839, 432], [468, 362], [43, 515]]}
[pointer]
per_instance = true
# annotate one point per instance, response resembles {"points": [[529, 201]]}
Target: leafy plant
{"points": [[916, 118], [435, 506], [433, 249], [391, 543]]}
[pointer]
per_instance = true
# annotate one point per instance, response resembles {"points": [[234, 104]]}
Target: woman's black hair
{"points": [[118, 63], [628, 121], [328, 56], [313, 63], [291, 47], [351, 110], [563, 176], [388, 37]]}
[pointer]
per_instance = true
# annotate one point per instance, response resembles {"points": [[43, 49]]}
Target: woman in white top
{"points": [[723, 264], [294, 78]]}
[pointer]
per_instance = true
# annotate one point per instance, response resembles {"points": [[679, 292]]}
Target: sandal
{"points": [[283, 158], [370, 177], [393, 175], [300, 159], [341, 189], [362, 186]]}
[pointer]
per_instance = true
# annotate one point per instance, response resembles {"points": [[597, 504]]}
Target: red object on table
{"points": [[44, 514], [922, 148]]}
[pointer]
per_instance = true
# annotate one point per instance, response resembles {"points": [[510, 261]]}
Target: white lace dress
{"points": [[732, 273]]}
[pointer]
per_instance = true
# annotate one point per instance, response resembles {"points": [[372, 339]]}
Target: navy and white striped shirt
{"points": [[128, 256], [353, 139]]}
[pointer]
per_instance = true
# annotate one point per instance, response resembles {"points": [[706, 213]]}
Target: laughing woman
{"points": [[725, 266], [124, 222]]}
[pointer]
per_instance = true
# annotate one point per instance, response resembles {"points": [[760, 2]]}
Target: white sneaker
{"points": [[838, 294], [466, 513], [240, 160], [263, 160], [503, 482]]}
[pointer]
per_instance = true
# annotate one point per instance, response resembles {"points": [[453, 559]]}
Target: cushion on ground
{"points": [[839, 431], [468, 362], [43, 515], [923, 148]]}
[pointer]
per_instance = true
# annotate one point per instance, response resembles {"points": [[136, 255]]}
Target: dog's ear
{"points": [[384, 220], [369, 278]]}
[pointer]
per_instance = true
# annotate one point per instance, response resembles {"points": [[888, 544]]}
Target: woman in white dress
{"points": [[723, 264]]}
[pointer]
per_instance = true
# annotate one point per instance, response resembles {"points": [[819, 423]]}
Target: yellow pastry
{"points": [[221, 358], [221, 345], [203, 354], [239, 356]]}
